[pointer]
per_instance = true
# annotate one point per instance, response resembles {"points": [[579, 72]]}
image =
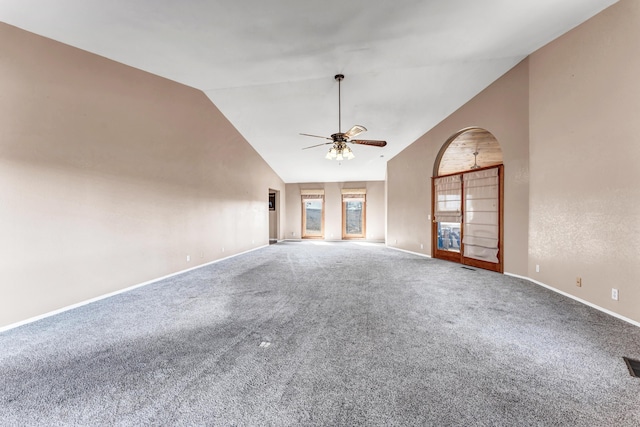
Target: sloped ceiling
{"points": [[269, 66]]}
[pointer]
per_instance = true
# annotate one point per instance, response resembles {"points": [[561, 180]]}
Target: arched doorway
{"points": [[467, 200]]}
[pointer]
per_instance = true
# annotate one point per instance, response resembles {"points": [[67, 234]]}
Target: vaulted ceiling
{"points": [[269, 66]]}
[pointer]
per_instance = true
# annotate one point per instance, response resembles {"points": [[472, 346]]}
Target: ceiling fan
{"points": [[340, 150]]}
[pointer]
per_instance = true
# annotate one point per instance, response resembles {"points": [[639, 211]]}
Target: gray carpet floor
{"points": [[300, 333]]}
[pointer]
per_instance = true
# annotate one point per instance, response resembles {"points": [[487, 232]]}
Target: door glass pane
{"points": [[354, 217], [449, 236], [482, 222], [313, 217]]}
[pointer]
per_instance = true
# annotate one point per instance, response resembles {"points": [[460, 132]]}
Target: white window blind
{"points": [[448, 196], [312, 193], [481, 222], [354, 194]]}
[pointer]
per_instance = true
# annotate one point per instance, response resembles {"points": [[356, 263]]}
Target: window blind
{"points": [[354, 194], [448, 199], [481, 222], [312, 193]]}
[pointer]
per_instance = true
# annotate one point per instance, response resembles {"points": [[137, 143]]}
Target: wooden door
{"points": [[467, 210]]}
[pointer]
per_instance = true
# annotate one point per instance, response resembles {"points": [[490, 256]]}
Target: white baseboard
{"points": [[130, 288], [334, 240], [575, 298]]}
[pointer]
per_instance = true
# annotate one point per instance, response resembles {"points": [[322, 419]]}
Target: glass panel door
{"points": [[467, 218], [481, 221], [353, 218], [313, 218], [447, 217]]}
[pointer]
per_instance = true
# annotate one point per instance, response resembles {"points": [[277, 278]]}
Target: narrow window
{"points": [[353, 214], [448, 212], [312, 214]]}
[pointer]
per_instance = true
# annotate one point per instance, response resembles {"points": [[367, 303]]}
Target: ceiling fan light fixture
{"points": [[332, 154], [348, 153], [475, 160], [339, 156]]}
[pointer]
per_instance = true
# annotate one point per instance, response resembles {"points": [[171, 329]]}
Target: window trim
{"points": [[312, 195], [354, 194]]}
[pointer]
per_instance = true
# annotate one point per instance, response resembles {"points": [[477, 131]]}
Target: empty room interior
{"points": [[320, 213]]}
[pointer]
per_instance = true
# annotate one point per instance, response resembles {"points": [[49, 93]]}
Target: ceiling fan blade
{"points": [[369, 142], [354, 131], [317, 136], [318, 145]]}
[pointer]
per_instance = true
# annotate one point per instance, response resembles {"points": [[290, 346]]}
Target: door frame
{"points": [[274, 209], [346, 236], [459, 256], [303, 233]]}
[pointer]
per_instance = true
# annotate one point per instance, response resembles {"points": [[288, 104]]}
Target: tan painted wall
{"points": [[110, 177], [273, 224], [502, 109], [569, 114], [585, 160], [375, 219]]}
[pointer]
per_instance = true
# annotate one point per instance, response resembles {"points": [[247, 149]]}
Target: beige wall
{"points": [[502, 109], [110, 177], [375, 213], [567, 121], [585, 160]]}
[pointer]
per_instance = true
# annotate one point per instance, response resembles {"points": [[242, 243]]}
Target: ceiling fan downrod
{"points": [[339, 78]]}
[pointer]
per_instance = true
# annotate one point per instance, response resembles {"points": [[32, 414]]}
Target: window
{"points": [[448, 212], [312, 214], [353, 214]]}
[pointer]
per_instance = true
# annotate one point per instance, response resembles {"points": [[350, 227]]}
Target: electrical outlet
{"points": [[579, 282], [188, 258], [537, 268], [421, 246], [614, 294], [223, 249]]}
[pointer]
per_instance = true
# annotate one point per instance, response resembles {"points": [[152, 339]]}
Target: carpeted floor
{"points": [[314, 333]]}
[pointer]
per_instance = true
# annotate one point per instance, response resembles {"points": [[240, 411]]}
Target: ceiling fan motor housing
{"points": [[338, 137]]}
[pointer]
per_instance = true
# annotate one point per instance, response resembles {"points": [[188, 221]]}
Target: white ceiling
{"points": [[269, 66]]}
